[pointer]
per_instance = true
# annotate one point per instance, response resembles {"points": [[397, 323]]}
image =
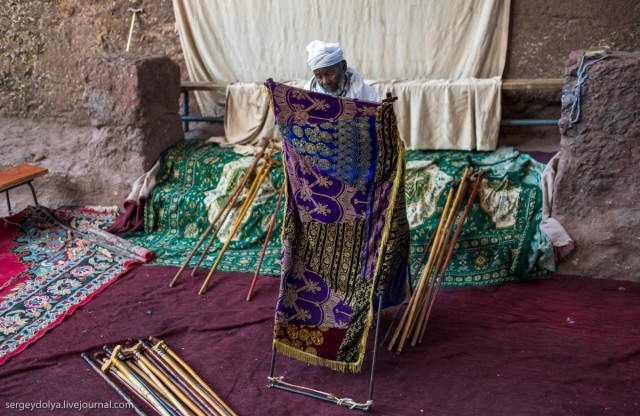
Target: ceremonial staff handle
{"points": [[162, 356], [154, 372], [129, 377]]}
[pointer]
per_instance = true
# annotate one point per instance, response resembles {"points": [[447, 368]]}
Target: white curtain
{"points": [[442, 58]]}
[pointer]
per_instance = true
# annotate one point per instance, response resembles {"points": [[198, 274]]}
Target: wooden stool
{"points": [[20, 175]]}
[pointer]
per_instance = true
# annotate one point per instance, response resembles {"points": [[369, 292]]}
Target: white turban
{"points": [[322, 55]]}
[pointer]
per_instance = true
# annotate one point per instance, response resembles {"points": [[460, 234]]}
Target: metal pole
{"points": [[529, 122]]}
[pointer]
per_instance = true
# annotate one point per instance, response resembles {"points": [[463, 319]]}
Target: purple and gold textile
{"points": [[346, 236]]}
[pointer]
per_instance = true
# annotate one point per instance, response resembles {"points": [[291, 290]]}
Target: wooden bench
{"points": [[20, 175]]}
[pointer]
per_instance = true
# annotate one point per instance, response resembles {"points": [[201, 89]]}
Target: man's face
{"points": [[331, 78]]}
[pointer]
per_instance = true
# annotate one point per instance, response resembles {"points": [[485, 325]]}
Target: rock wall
{"points": [[597, 184], [41, 42], [132, 102]]}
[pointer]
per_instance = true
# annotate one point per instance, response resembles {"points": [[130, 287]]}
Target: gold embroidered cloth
{"points": [[346, 236]]}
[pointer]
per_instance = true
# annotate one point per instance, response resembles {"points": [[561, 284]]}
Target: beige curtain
{"points": [[443, 59]]}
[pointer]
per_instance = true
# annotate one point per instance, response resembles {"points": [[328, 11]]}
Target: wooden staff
{"points": [[222, 220], [114, 361], [264, 170], [224, 217], [136, 372], [446, 242], [116, 388], [451, 216], [266, 241], [229, 203], [176, 379], [157, 385], [161, 355], [133, 21], [160, 358], [180, 400], [463, 218], [143, 381], [412, 279], [423, 258], [425, 274], [417, 302], [418, 293], [181, 366]]}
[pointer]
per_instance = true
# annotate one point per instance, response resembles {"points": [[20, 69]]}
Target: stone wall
{"points": [[597, 184], [42, 41]]}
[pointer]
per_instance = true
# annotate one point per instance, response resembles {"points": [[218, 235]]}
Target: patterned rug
{"points": [[345, 237], [501, 241], [52, 262], [195, 180]]}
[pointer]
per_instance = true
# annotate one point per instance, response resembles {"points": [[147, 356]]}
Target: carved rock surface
{"points": [[597, 186], [132, 102]]}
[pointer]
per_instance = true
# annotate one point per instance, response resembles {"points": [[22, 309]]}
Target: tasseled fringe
{"points": [[315, 360]]}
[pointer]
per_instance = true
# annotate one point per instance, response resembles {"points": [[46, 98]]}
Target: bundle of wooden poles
{"points": [[157, 377], [413, 324], [259, 174]]}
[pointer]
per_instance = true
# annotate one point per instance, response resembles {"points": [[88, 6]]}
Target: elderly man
{"points": [[333, 76]]}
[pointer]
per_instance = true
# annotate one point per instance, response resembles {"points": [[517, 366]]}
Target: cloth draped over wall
{"points": [[437, 57]]}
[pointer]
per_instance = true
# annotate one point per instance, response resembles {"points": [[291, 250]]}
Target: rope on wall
{"points": [[593, 55]]}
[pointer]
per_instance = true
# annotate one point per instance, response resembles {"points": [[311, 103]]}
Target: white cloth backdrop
{"points": [[442, 58]]}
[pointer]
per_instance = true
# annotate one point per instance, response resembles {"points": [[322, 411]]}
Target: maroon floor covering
{"points": [[558, 346]]}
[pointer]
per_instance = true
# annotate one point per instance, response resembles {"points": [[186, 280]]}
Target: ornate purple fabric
{"points": [[346, 237]]}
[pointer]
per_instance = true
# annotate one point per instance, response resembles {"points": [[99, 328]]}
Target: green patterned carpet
{"points": [[501, 241]]}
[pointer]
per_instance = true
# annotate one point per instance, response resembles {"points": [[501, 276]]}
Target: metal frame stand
{"points": [[333, 398]]}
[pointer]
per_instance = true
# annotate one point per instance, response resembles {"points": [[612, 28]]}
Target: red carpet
{"points": [[559, 346]]}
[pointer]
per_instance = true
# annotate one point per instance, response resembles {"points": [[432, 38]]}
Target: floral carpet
{"points": [[52, 262]]}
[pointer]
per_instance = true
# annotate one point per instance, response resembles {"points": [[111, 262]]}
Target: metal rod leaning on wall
{"points": [[255, 187], [229, 203], [112, 385], [266, 240]]}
